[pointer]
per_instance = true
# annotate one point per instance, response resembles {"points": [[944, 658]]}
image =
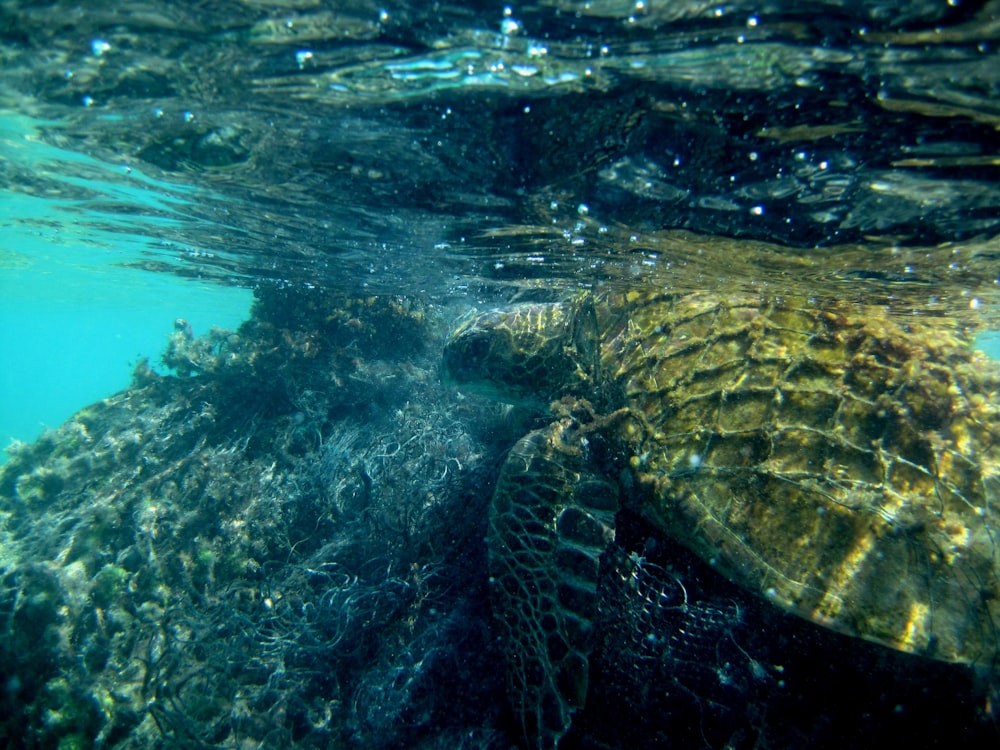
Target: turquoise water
{"points": [[74, 319], [71, 333], [990, 343]]}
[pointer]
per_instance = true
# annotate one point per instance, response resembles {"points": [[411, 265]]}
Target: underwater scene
{"points": [[565, 374]]}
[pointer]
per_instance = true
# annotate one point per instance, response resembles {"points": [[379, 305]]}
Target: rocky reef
{"points": [[277, 544]]}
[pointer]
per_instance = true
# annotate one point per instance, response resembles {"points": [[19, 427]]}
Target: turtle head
{"points": [[524, 353]]}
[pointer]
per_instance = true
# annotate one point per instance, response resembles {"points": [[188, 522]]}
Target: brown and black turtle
{"points": [[837, 461]]}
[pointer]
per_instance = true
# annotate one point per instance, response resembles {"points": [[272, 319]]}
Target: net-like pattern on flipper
{"points": [[551, 519], [840, 464]]}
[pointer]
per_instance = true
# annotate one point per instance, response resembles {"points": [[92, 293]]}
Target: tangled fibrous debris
{"points": [[275, 545]]}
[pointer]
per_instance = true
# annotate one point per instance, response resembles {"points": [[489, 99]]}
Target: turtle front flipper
{"points": [[551, 519]]}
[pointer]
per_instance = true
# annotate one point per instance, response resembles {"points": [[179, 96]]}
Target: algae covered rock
{"points": [[251, 548]]}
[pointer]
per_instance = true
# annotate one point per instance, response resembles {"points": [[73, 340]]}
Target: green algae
{"points": [[186, 561]]}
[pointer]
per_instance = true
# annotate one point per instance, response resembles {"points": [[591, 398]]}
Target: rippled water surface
{"points": [[444, 151], [179, 160], [273, 144]]}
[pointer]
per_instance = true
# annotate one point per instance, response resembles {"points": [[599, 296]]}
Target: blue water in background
{"points": [[71, 334], [73, 320], [990, 343]]}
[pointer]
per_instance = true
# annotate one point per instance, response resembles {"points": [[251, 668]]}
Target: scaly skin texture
{"points": [[841, 463]]}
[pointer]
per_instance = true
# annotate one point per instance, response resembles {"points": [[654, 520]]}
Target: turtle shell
{"points": [[838, 461]]}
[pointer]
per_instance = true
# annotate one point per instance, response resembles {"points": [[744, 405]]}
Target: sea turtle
{"points": [[836, 460]]}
